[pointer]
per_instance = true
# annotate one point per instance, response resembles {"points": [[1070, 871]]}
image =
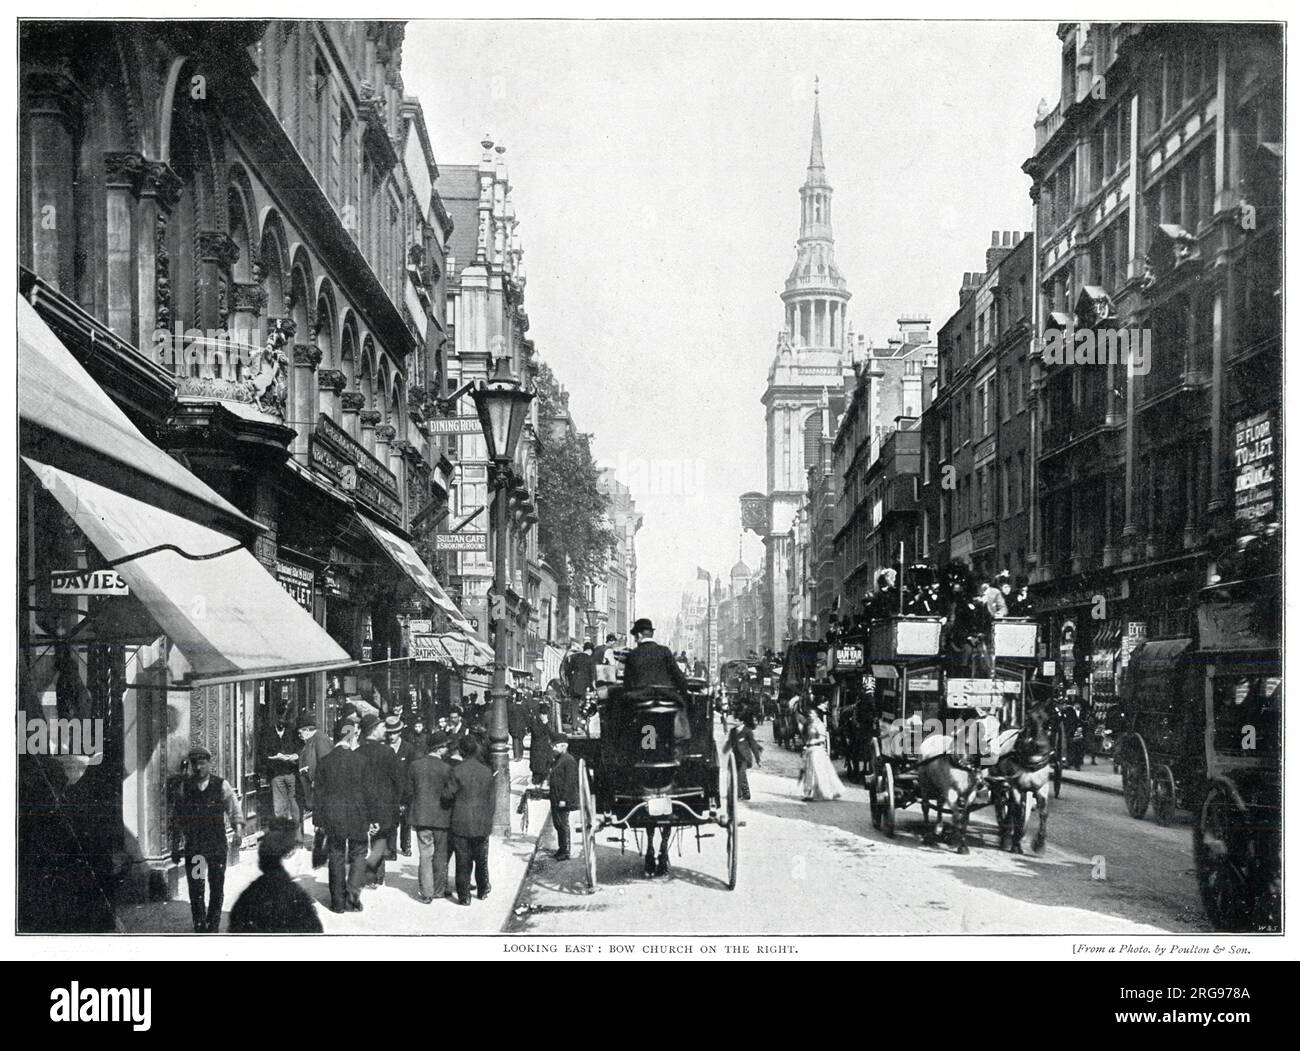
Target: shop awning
{"points": [[226, 614], [58, 396], [401, 552], [1157, 656], [476, 645]]}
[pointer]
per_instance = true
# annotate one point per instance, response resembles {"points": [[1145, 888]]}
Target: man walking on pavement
{"points": [[203, 805], [405, 752], [469, 794], [517, 723], [315, 746], [539, 746], [385, 787], [428, 778], [339, 793], [564, 793]]}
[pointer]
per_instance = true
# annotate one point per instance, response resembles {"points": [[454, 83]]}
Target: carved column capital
{"points": [[248, 296], [353, 401], [161, 182], [331, 379], [369, 417], [306, 356], [123, 169], [218, 246], [384, 432]]}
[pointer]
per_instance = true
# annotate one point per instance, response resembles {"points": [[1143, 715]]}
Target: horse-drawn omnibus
{"points": [[800, 681], [642, 772], [1238, 837]]}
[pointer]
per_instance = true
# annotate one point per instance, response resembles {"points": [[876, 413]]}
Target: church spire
{"points": [[815, 154]]}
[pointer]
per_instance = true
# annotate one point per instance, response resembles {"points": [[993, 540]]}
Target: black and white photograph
{"points": [[635, 479]]}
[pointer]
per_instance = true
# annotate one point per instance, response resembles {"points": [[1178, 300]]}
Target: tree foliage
{"points": [[573, 531]]}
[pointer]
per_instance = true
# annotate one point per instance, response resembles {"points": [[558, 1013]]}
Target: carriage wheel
{"points": [[1221, 845], [588, 811], [887, 809], [874, 788], [1136, 776], [1163, 804], [733, 820]]}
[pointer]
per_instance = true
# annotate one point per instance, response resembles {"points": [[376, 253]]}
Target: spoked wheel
{"points": [[1136, 776], [873, 782], [1221, 844], [888, 800], [1163, 804], [588, 810], [733, 820]]}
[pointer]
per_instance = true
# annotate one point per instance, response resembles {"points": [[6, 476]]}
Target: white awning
{"points": [[409, 561], [60, 397], [226, 614]]}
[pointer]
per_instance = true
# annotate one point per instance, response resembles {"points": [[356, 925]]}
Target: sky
{"points": [[655, 169]]}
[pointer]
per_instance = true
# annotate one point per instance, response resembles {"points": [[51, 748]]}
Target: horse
{"points": [[1024, 772], [950, 775]]}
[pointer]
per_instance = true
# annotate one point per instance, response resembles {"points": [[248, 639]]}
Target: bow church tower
{"points": [[812, 356]]}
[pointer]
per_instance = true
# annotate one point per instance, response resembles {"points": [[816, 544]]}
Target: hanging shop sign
{"points": [[460, 542], [300, 583], [455, 425], [426, 648], [102, 582], [1253, 460], [340, 457], [848, 657]]}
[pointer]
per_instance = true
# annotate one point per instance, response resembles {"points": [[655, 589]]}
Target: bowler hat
{"points": [[307, 724], [280, 839], [439, 740], [559, 739], [368, 722], [643, 626], [199, 752]]}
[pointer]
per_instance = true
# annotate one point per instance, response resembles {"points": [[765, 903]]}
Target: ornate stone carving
{"points": [[123, 169], [248, 296], [305, 354], [161, 182], [214, 389], [266, 384], [369, 417], [218, 246], [384, 432], [331, 379], [352, 401], [162, 275]]}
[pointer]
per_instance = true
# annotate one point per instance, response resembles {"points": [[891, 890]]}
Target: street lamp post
{"points": [[502, 406]]}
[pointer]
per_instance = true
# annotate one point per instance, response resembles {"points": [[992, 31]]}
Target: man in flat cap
{"points": [[203, 804], [314, 746], [273, 903]]}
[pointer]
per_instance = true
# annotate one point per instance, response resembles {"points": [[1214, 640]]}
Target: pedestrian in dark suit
{"points": [[203, 805], [405, 752], [314, 745], [650, 664], [429, 778], [273, 903], [748, 752], [539, 748], [565, 798], [517, 722], [339, 792], [469, 794], [385, 787]]}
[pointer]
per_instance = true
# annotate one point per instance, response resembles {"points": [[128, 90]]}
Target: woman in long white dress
{"points": [[818, 779]]}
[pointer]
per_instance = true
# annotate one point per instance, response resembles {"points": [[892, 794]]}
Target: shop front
{"points": [[147, 624]]}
